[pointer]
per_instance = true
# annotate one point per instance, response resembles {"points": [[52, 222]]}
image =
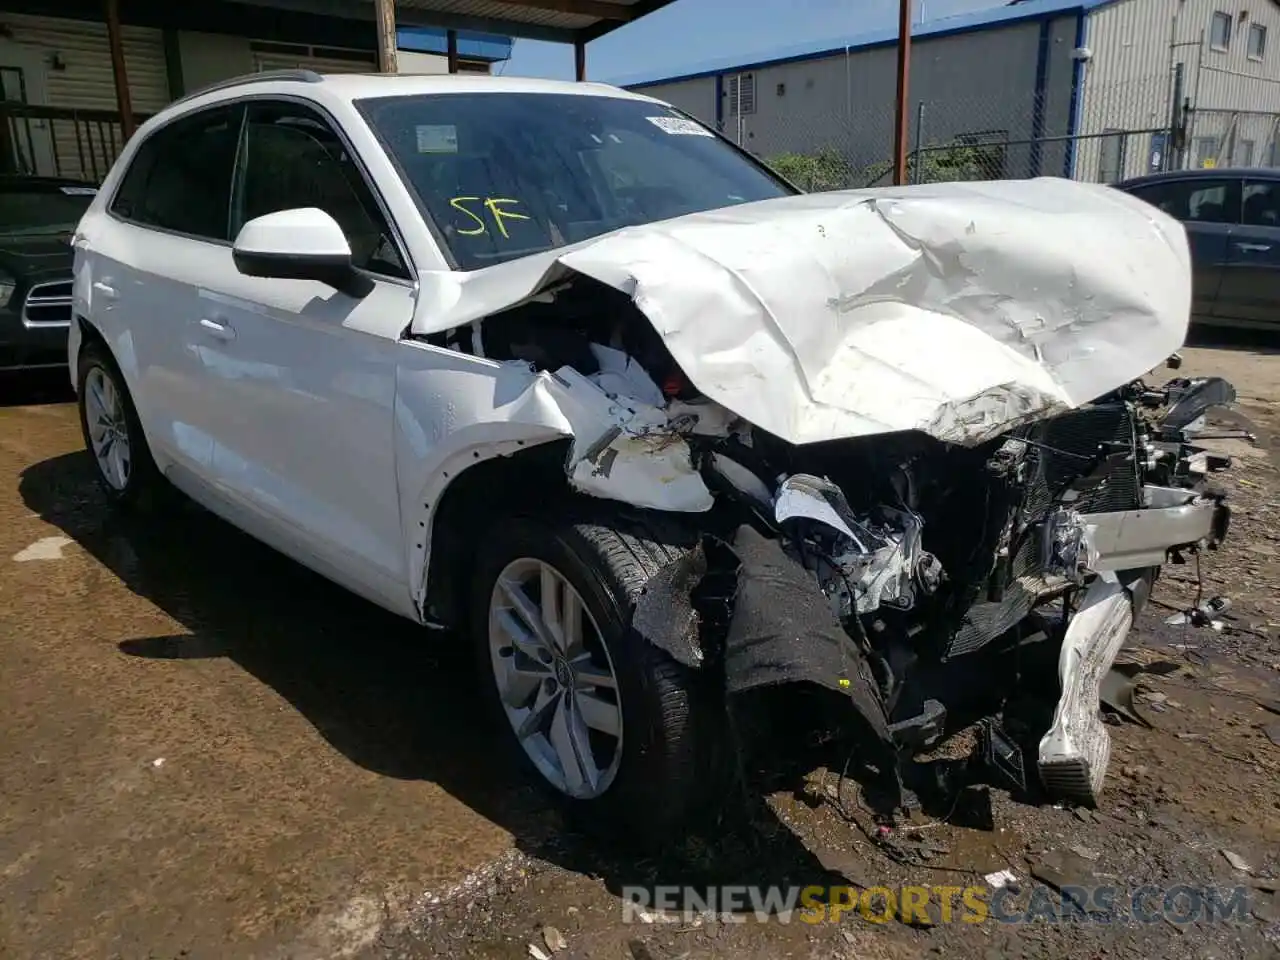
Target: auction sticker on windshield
{"points": [[437, 138], [680, 126]]}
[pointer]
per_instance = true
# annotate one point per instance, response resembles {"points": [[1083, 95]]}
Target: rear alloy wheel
{"points": [[112, 432], [108, 429], [555, 678]]}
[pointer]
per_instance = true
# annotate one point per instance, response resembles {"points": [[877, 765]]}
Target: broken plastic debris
{"points": [[158, 762], [554, 939], [1237, 862], [46, 548], [1001, 878], [1204, 615]]}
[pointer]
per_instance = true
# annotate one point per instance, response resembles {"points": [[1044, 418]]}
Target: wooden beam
{"points": [[580, 60], [387, 36], [452, 50], [121, 75], [583, 8]]}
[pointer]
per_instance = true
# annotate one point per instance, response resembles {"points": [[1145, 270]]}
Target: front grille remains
{"points": [[1064, 449], [48, 305]]}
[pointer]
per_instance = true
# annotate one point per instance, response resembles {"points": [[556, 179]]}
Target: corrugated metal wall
{"points": [[78, 76], [979, 86], [695, 97], [86, 81], [306, 58], [1129, 81]]}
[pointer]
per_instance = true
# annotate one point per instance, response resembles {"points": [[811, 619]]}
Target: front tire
{"points": [[613, 726], [112, 432]]}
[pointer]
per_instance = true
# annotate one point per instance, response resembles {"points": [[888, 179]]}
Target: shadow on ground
{"points": [[392, 698], [1261, 342], [24, 388]]}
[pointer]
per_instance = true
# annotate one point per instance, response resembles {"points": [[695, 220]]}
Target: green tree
{"points": [[815, 172]]}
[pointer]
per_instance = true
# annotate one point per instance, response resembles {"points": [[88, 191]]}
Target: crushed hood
{"points": [[957, 309]]}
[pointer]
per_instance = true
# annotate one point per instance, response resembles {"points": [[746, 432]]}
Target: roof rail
{"points": [[263, 76]]}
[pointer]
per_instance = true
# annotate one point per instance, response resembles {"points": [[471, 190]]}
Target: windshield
{"points": [[503, 175], [36, 210]]}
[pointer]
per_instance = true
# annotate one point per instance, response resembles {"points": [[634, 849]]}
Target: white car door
{"points": [[303, 375], [142, 258]]}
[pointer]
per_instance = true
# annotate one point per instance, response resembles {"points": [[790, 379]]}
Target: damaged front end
{"points": [[909, 440], [914, 577], [943, 566]]}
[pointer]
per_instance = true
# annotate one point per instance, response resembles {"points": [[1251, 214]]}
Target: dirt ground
{"points": [[207, 751]]}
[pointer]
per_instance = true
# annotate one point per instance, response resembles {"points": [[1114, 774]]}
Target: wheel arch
{"points": [[121, 353], [518, 476], [125, 359]]}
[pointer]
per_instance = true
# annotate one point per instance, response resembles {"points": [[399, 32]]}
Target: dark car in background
{"points": [[1232, 218], [37, 218]]}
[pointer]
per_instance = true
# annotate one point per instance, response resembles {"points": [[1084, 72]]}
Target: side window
{"points": [[180, 177], [1261, 203], [1195, 201], [292, 158]]}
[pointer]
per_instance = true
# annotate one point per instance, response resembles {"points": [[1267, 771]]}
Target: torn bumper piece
{"points": [[1074, 754], [779, 630], [1172, 519]]}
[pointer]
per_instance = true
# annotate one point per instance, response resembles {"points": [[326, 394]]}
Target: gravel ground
{"points": [[208, 752]]}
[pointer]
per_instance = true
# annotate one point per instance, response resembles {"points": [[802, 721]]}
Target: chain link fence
{"points": [[1124, 130]]}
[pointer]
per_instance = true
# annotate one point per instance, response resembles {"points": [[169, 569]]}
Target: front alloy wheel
{"points": [[555, 678], [619, 732]]}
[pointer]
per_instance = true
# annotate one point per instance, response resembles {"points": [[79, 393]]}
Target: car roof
{"points": [[1211, 173], [359, 86]]}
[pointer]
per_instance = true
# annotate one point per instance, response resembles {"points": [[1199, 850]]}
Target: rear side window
{"points": [[1262, 203], [1195, 201], [180, 178]]}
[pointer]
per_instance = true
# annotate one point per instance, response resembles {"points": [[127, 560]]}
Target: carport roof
{"points": [[562, 21]]}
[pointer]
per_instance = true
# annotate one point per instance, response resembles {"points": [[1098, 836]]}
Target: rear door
{"points": [[164, 237], [1209, 209], [1250, 293]]}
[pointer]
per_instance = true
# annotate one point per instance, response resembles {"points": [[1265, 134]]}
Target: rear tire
{"points": [[113, 433], [651, 777]]}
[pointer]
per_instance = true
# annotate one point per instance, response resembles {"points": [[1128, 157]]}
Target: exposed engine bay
{"points": [[909, 574]]}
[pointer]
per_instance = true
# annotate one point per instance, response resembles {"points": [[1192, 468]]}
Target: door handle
{"points": [[106, 291], [216, 328], [1253, 247]]}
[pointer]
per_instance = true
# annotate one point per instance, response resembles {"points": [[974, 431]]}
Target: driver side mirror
{"points": [[301, 244]]}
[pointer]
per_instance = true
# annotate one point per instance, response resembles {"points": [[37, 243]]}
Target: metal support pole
{"points": [[901, 130], [1176, 151], [386, 13], [452, 36], [123, 101], [917, 172], [579, 60]]}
